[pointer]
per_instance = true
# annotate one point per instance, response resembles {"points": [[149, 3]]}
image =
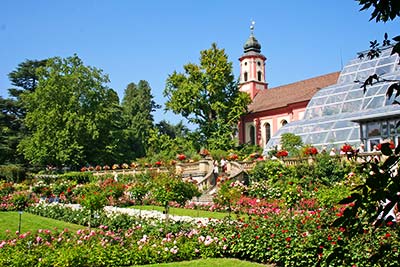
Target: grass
{"points": [[186, 212], [209, 263], [30, 223]]}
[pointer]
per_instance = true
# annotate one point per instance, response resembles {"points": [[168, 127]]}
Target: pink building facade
{"points": [[271, 108]]}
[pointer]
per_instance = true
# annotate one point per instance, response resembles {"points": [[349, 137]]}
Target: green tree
{"points": [[137, 106], [208, 96], [12, 129], [71, 115], [25, 77], [173, 131], [292, 143]]}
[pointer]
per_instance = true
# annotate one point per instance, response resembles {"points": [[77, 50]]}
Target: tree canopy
{"points": [[207, 95], [70, 114], [137, 106]]}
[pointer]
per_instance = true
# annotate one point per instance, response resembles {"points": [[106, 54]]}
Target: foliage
{"points": [[207, 96], [292, 143], [20, 200], [229, 194], [303, 240], [10, 128], [6, 188], [93, 198], [13, 173], [168, 188], [268, 170], [139, 190], [137, 106], [78, 177], [81, 110]]}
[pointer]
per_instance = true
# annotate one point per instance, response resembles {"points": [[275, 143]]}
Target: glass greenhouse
{"points": [[336, 114]]}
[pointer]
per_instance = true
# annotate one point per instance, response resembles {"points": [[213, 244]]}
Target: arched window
{"points": [[259, 76], [245, 76], [267, 132], [283, 122], [252, 135]]}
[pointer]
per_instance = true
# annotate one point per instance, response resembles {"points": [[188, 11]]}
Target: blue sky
{"points": [[147, 40]]}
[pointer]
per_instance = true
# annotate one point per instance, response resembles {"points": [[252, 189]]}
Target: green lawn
{"points": [[186, 212], [29, 222], [209, 263]]}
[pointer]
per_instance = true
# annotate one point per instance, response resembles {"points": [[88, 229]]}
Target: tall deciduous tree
{"points": [[137, 106], [207, 95], [71, 115]]}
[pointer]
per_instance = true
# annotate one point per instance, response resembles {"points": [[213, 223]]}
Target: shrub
{"points": [[12, 173], [78, 177]]}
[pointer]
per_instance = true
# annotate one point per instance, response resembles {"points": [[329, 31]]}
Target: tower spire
{"points": [[252, 27]]}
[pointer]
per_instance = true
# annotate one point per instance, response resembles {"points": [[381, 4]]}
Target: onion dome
{"points": [[252, 45]]}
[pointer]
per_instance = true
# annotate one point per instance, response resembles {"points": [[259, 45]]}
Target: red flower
{"points": [[282, 153], [346, 148], [181, 156], [158, 163], [391, 145], [311, 151], [288, 239]]}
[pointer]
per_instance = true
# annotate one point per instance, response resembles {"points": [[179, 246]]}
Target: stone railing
{"points": [[131, 171], [247, 165]]}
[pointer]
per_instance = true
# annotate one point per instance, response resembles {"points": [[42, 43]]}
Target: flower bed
{"points": [[304, 239]]}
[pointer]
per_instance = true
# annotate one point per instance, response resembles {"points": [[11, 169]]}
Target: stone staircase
{"points": [[202, 173]]}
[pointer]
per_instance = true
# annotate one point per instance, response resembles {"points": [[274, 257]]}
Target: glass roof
{"points": [[329, 114]]}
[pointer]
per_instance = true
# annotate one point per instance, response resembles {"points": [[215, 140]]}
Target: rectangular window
{"points": [[374, 129]]}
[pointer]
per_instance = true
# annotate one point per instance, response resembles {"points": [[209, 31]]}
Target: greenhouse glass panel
{"points": [[336, 98], [384, 69], [318, 101], [386, 60], [331, 116], [383, 89], [352, 106], [322, 127], [376, 102], [339, 135], [371, 91], [355, 94], [363, 75], [368, 65], [347, 78], [343, 124], [355, 134], [349, 69], [316, 138], [340, 89], [331, 109]]}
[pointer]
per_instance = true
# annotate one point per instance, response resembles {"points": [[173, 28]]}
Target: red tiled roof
{"points": [[284, 95]]}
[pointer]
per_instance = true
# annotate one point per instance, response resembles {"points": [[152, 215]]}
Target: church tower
{"points": [[252, 67]]}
